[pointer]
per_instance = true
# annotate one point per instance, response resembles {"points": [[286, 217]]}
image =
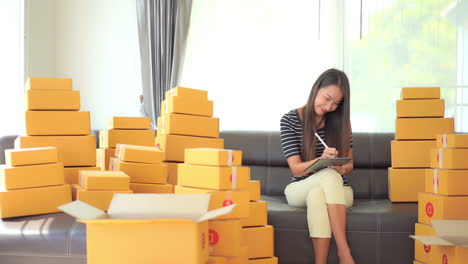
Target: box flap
{"points": [[217, 212], [154, 206], [432, 240], [454, 231], [84, 211]]}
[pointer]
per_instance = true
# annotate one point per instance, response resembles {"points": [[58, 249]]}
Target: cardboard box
{"points": [[257, 214], [151, 188], [212, 156], [174, 145], [104, 180], [420, 93], [437, 207], [422, 128], [411, 154], [98, 199], [216, 260], [423, 252], [57, 123], [420, 108], [187, 92], [137, 224], [142, 154], [31, 176], [443, 158], [35, 83], [189, 125], [186, 105], [31, 156], [259, 240], [254, 189], [225, 237], [452, 141], [141, 172], [120, 122], [405, 184], [103, 157], [172, 171], [33, 201], [72, 174], [221, 199], [212, 177], [52, 100], [73, 151], [272, 260], [110, 138], [241, 259], [447, 182]]}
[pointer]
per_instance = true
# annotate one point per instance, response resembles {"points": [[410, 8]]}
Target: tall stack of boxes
{"points": [[53, 119], [445, 198], [123, 130], [420, 117], [186, 121], [144, 166], [32, 182]]}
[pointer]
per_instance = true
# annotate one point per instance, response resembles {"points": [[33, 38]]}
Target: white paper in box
{"points": [[449, 233]]}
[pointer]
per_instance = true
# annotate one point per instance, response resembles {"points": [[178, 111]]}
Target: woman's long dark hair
{"points": [[337, 123]]}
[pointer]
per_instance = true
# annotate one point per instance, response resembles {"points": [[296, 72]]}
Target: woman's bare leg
{"points": [[337, 215], [321, 247]]}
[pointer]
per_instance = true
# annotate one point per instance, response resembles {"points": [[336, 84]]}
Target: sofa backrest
{"points": [[262, 152]]}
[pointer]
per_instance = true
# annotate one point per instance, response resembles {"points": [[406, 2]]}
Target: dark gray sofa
{"points": [[377, 229]]}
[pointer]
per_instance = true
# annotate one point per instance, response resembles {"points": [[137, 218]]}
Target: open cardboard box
{"points": [[148, 228]]}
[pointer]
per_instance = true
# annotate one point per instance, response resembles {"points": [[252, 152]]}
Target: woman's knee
{"points": [[332, 177]]}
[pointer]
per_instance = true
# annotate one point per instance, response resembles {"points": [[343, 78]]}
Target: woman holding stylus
{"points": [[305, 134]]}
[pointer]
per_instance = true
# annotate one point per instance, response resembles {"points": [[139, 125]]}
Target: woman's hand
{"points": [[329, 153]]}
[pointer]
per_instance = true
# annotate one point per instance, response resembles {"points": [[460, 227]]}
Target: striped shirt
{"points": [[291, 139]]}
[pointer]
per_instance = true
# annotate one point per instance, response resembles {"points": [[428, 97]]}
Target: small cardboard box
{"points": [[52, 100], [254, 189], [36, 83], [405, 184], [137, 224], [172, 171], [188, 106], [72, 174], [31, 156], [241, 259], [409, 93], [221, 199], [420, 108], [33, 201], [411, 154], [31, 176], [447, 182], [174, 145], [225, 237], [103, 157], [257, 214], [187, 92], [98, 199], [104, 180], [120, 122], [272, 260], [151, 188], [141, 172], [445, 158], [57, 123], [216, 260], [73, 151], [213, 177], [142, 154], [110, 138], [423, 252], [259, 240], [188, 125], [213, 156], [452, 141], [422, 128], [437, 207]]}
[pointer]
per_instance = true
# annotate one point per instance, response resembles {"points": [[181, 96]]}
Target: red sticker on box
{"points": [[203, 240], [437, 157], [444, 259], [230, 178], [158, 146], [427, 248], [429, 209], [213, 237], [232, 157], [227, 202]]}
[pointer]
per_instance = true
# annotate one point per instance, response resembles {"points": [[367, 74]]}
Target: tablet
{"points": [[322, 163]]}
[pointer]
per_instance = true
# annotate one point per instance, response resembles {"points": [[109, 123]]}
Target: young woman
{"points": [[326, 192]]}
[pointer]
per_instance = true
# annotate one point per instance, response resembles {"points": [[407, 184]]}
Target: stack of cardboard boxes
{"points": [[186, 121], [123, 130], [32, 182], [144, 166], [419, 119], [53, 119], [446, 198]]}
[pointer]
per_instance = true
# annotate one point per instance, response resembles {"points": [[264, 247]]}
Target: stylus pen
{"points": [[319, 138]]}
